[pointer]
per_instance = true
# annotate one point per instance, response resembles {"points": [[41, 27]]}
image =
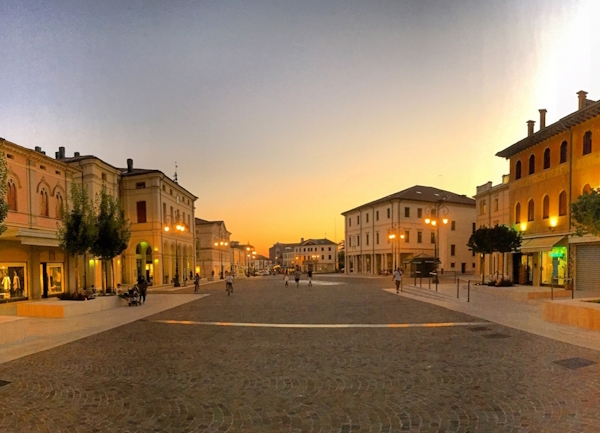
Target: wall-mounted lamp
{"points": [[553, 222], [523, 227]]}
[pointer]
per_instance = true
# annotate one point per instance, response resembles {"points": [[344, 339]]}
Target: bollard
{"points": [[429, 281], [469, 291], [457, 288]]}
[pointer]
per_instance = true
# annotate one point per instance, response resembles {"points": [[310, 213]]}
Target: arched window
{"points": [[518, 170], [138, 249], [546, 158], [587, 142], [59, 205], [11, 196], [530, 210], [44, 203], [518, 213], [562, 203], [546, 207], [587, 189], [532, 164], [563, 152]]}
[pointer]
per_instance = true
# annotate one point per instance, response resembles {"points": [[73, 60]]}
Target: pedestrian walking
{"points": [[229, 284], [196, 283], [297, 275], [143, 288], [286, 278], [310, 277], [397, 279]]}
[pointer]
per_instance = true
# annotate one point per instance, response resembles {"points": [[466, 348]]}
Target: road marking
{"points": [[324, 325]]}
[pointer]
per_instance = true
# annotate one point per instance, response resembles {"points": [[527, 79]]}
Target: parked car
{"points": [[263, 273]]}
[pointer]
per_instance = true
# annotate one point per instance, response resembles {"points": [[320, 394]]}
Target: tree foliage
{"points": [[3, 191], [77, 230], [488, 240], [586, 213], [112, 228]]}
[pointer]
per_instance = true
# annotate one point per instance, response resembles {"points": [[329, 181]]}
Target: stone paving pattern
{"points": [[155, 377]]}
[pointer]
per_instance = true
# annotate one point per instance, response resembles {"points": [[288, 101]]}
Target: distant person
{"points": [[297, 276], [310, 277], [286, 278], [143, 288], [196, 283], [397, 279], [229, 283]]}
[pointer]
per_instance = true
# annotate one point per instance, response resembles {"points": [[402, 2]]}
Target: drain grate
{"points": [[495, 336], [574, 363], [478, 329], [3, 383]]}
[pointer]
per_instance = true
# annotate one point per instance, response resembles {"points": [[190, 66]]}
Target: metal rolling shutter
{"points": [[588, 267]]}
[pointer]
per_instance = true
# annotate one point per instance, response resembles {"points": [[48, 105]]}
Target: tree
{"points": [[113, 231], [586, 213], [3, 191], [341, 259], [505, 240], [76, 232], [481, 243]]}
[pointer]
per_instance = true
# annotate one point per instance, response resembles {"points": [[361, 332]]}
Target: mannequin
{"points": [[6, 283]]}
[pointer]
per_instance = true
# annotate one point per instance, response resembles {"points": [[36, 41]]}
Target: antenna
{"points": [[175, 176]]}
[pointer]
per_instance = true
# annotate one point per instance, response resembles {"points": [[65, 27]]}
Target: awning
{"points": [[535, 245]]}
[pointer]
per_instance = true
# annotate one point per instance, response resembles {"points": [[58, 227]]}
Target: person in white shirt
{"points": [[229, 283], [397, 279]]}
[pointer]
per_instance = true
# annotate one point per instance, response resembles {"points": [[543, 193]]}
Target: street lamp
{"points": [[220, 246], [251, 254], [179, 228], [433, 218], [392, 236]]}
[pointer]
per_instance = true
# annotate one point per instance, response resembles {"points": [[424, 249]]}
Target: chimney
{"points": [[38, 149], [57, 155], [582, 94], [543, 112], [301, 240], [76, 154], [530, 124], [61, 151], [129, 165]]}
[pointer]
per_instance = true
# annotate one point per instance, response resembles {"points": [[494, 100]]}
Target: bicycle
{"points": [[229, 288]]}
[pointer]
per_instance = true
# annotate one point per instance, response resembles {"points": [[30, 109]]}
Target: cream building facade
{"points": [[213, 248], [369, 249], [493, 209]]}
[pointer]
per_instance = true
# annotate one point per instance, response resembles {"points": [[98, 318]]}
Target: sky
{"points": [[281, 115]]}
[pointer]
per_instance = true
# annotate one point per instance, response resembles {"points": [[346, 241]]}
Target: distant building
{"points": [[390, 231], [493, 210], [318, 255], [213, 249]]}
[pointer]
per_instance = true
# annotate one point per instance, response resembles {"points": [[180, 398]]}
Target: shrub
{"points": [[502, 282], [72, 296]]}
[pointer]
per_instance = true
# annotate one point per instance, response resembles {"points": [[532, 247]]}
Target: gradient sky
{"points": [[281, 115]]}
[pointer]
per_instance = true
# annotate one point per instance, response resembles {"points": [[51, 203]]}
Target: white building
{"points": [[392, 230]]}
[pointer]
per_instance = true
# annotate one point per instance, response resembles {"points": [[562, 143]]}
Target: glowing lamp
{"points": [[553, 222], [427, 220], [445, 220], [523, 227]]}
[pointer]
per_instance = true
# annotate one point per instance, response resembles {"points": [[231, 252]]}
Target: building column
{"points": [[35, 290]]}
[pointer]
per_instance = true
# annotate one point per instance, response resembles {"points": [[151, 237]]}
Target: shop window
{"points": [[587, 143], [518, 170], [532, 164], [546, 158], [517, 213], [563, 152], [546, 207], [44, 209], [54, 273], [13, 284], [530, 210], [11, 196], [562, 203]]}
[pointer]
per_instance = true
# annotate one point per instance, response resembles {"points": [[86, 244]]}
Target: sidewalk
{"points": [[526, 315], [22, 336]]}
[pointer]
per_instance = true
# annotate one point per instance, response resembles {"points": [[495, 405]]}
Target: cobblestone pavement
{"points": [[150, 376]]}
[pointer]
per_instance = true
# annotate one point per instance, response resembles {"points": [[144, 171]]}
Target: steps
{"points": [[424, 292]]}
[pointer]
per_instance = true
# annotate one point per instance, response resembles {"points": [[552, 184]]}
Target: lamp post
{"points": [[435, 215], [220, 246], [250, 254], [178, 229], [394, 234], [391, 237]]}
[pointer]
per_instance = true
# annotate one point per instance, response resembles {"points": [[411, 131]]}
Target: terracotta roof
{"points": [[591, 110], [421, 193]]}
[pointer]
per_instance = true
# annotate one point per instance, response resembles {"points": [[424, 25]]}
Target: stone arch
{"points": [[59, 188], [43, 183], [12, 175]]}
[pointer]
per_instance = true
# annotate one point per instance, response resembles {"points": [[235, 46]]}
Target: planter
{"points": [[59, 309], [578, 312]]}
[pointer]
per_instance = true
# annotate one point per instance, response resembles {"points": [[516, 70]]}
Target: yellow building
{"points": [[549, 170], [32, 265], [213, 248]]}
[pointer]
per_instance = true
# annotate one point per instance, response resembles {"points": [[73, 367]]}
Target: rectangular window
{"points": [[482, 208], [407, 212], [433, 237], [367, 217], [419, 237], [358, 241], [322, 257], [350, 240], [495, 205], [164, 215], [367, 239], [377, 238], [376, 215], [322, 249], [473, 230], [171, 214], [389, 213], [358, 219], [138, 185], [452, 265], [141, 211], [453, 225], [164, 188], [419, 212], [349, 222], [103, 176], [329, 248], [452, 250], [329, 256]]}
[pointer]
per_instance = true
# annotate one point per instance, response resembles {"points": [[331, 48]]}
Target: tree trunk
{"points": [[85, 270], [77, 281], [112, 272], [483, 271]]}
